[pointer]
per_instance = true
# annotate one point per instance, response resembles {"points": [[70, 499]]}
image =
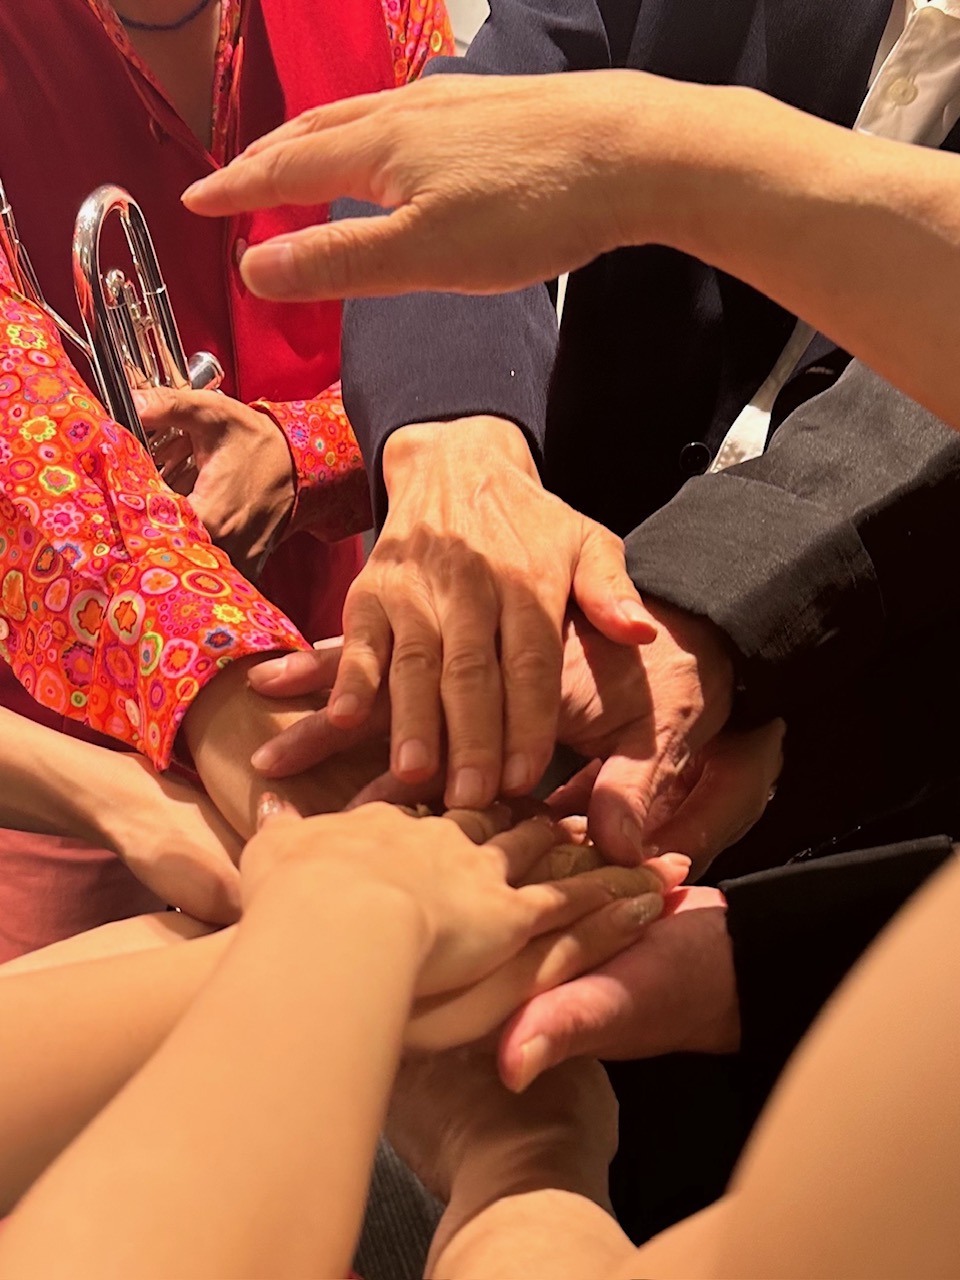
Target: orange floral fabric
{"points": [[115, 608]]}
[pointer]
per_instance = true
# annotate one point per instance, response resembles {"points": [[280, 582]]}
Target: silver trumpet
{"points": [[132, 341]]}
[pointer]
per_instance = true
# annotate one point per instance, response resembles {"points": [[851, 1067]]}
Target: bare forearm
{"points": [[43, 780], [71, 1035], [858, 236], [262, 1106], [228, 722], [548, 1233]]}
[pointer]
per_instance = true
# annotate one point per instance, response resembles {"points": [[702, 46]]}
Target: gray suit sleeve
{"points": [[812, 556], [435, 357]]}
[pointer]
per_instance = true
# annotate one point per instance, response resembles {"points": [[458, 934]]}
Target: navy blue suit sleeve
{"points": [[435, 357]]}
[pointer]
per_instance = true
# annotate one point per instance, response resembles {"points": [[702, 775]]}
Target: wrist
{"points": [[494, 442], [306, 888], [685, 187], [712, 651]]}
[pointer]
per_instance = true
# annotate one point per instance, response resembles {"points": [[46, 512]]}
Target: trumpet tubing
{"points": [[132, 342]]}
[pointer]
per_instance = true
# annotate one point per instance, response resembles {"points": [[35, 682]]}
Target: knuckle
{"points": [[534, 665], [416, 657], [469, 666]]}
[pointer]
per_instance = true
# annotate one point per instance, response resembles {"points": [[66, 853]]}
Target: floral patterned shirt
{"points": [[115, 608]]}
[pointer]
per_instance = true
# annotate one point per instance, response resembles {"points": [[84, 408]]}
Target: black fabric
{"points": [[796, 932], [823, 553], [820, 560]]}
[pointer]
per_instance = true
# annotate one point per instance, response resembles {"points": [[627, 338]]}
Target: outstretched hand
{"points": [[524, 181]]}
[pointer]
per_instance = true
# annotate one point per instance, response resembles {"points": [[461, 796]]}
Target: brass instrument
{"points": [[132, 341]]}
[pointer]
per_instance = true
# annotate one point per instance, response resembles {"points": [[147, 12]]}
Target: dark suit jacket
{"points": [[796, 932], [821, 559]]}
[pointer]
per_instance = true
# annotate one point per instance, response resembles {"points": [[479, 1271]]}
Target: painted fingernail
{"points": [[467, 791], [633, 913], [268, 806], [516, 773], [534, 1059], [413, 757], [347, 705]]}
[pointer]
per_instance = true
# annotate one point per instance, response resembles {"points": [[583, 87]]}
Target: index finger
{"points": [[315, 120], [307, 169], [524, 845]]}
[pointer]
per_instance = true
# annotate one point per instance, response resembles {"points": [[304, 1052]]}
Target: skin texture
{"points": [[407, 914], [241, 483], [167, 832], [786, 202], [460, 609], [670, 778]]}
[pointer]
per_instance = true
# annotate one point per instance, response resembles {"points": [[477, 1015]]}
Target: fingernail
{"points": [[632, 914], [413, 757], [678, 860], [194, 188], [516, 773], [633, 611], [268, 806], [277, 260], [347, 705], [140, 401], [260, 676], [263, 759], [534, 1059], [467, 791]]}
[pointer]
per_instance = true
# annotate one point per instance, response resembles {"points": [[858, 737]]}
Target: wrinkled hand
{"points": [[481, 557], [241, 482], [474, 920], [452, 1121], [668, 776], [528, 178], [673, 991], [172, 838], [670, 779]]}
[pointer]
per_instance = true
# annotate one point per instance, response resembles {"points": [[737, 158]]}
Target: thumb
{"points": [[605, 593], [735, 784], [296, 674], [579, 1019], [623, 795], [355, 257]]}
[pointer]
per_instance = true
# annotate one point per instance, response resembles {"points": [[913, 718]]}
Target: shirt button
{"points": [[239, 249], [901, 92], [694, 458]]}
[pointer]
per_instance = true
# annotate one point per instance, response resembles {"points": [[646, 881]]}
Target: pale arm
{"points": [[857, 235], [227, 722], [279, 1108]]}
